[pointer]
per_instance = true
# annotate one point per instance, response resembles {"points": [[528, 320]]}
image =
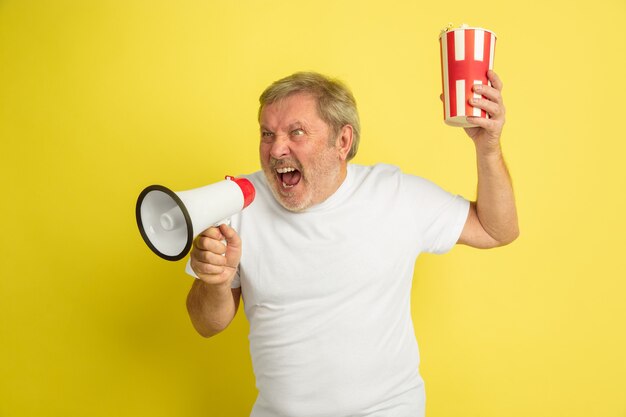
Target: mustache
{"points": [[280, 163]]}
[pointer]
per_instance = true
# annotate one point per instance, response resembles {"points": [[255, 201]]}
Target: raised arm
{"points": [[492, 220], [212, 303]]}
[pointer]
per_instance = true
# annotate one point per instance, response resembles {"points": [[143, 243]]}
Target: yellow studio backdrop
{"points": [[99, 99]]}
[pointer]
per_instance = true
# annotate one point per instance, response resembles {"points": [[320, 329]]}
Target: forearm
{"points": [[495, 202], [211, 307]]}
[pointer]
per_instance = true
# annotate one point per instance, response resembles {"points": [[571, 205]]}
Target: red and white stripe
{"points": [[466, 55]]}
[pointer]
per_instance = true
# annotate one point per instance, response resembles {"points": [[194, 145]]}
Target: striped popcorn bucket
{"points": [[466, 56]]}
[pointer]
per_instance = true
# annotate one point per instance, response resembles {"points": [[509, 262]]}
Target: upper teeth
{"points": [[285, 170]]}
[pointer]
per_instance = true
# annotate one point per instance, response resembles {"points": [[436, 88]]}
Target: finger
{"points": [[213, 233], [201, 268], [230, 235], [207, 257], [489, 92], [490, 125], [233, 245], [496, 82], [495, 110], [212, 244]]}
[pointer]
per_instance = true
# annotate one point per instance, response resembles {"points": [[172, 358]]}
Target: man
{"points": [[324, 257]]}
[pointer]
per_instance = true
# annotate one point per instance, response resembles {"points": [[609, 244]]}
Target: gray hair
{"points": [[335, 103]]}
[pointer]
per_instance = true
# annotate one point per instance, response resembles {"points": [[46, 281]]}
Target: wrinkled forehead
{"points": [[295, 106]]}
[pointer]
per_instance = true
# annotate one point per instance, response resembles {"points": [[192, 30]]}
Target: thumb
{"points": [[233, 245]]}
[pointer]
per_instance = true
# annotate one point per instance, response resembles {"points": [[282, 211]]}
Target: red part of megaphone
{"points": [[246, 188]]}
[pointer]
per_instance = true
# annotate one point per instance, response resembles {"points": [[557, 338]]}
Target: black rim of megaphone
{"points": [[180, 204]]}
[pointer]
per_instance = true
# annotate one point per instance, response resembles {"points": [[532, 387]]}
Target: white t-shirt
{"points": [[327, 293]]}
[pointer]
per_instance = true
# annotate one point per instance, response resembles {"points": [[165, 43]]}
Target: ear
{"points": [[344, 141]]}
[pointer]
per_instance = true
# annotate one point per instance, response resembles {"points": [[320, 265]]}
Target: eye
{"points": [[297, 132], [267, 137]]}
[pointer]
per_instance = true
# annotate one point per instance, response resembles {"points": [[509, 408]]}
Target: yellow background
{"points": [[99, 99]]}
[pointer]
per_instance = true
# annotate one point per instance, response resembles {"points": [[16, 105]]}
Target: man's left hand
{"points": [[486, 135]]}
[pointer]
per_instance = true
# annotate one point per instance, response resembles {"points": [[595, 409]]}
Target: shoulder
{"points": [[374, 174], [390, 177], [374, 170]]}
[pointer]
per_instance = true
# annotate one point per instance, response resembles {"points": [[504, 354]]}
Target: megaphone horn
{"points": [[169, 221]]}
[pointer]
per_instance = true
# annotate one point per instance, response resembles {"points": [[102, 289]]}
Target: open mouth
{"points": [[289, 176]]}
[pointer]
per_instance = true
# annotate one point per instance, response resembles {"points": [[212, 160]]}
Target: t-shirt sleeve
{"points": [[439, 215], [445, 229]]}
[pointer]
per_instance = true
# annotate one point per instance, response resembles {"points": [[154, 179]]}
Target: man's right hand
{"points": [[214, 262]]}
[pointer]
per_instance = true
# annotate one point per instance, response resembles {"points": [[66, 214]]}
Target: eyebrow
{"points": [[293, 125]]}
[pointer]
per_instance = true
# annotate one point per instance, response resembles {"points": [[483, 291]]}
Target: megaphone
{"points": [[169, 221]]}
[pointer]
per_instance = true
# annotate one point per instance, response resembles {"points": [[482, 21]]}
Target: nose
{"points": [[280, 147]]}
